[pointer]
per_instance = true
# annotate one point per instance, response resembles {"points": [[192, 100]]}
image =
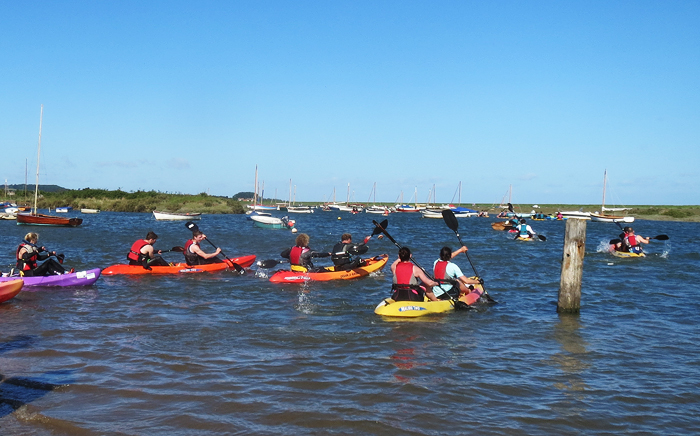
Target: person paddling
{"points": [[28, 254], [346, 254], [631, 242], [143, 253], [524, 230], [194, 255], [443, 269], [300, 254], [408, 278]]}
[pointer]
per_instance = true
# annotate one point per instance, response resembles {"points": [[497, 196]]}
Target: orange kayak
{"points": [[369, 265], [9, 289], [180, 268]]}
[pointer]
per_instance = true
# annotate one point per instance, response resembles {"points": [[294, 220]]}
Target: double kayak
{"points": [[10, 288], [77, 278], [413, 309], [368, 266], [180, 268]]}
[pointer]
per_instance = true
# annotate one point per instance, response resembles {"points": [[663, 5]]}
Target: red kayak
{"points": [[9, 289], [181, 268], [329, 273]]}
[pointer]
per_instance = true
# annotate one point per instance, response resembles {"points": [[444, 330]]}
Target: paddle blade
{"points": [[461, 305], [615, 241], [62, 256], [239, 269], [542, 237], [450, 219], [510, 208], [178, 249], [269, 263], [661, 237], [379, 227], [192, 226]]}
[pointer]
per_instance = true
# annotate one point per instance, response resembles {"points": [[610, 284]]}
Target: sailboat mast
{"points": [[347, 201], [605, 181], [255, 189], [459, 198], [38, 155]]}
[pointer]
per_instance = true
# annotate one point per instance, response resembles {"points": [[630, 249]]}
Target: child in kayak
{"points": [[300, 254], [443, 269]]}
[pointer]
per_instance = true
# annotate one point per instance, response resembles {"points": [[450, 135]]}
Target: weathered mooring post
{"points": [[572, 266]]}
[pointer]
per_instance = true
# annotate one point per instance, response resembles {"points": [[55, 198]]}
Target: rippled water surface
{"points": [[224, 354]]}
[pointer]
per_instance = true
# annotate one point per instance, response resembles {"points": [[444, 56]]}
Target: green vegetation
{"points": [[139, 201]]}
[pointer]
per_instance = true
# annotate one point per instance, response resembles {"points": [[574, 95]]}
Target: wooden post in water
{"points": [[572, 266]]}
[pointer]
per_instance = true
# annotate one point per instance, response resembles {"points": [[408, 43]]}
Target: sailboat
{"points": [[382, 210], [601, 217], [34, 218], [408, 207], [255, 207], [292, 208]]}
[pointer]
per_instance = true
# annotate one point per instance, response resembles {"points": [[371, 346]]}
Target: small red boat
{"points": [[47, 220]]}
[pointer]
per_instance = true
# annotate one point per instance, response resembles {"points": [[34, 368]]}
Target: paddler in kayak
{"points": [[28, 255], [300, 254], [524, 230], [408, 278], [194, 255], [630, 242], [346, 254], [143, 253], [443, 269]]}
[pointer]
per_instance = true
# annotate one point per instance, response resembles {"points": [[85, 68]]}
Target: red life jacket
{"points": [[295, 255], [631, 240], [440, 269], [135, 251], [190, 257], [404, 274], [30, 264]]}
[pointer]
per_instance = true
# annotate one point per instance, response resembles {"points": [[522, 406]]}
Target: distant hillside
{"points": [[42, 188]]}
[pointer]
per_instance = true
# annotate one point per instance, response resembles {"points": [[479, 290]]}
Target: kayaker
{"points": [[443, 269], [524, 230], [300, 254], [194, 255], [346, 254], [408, 278], [630, 241], [28, 255], [143, 253]]}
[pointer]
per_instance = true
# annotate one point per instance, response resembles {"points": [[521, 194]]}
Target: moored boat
{"points": [[64, 209], [88, 210], [269, 222], [10, 289], [597, 217], [300, 209], [370, 265], [413, 309], [180, 268], [47, 220], [77, 278], [176, 216]]}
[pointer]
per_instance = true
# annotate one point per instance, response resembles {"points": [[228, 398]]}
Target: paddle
{"points": [[270, 263], [175, 249], [192, 226], [657, 237], [458, 305], [453, 224], [540, 237]]}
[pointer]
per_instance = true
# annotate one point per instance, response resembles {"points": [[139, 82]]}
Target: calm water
{"points": [[222, 354]]}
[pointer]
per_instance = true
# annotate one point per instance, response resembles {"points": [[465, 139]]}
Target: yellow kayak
{"points": [[413, 309], [626, 254]]}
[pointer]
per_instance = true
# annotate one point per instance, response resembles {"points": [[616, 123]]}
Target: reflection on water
{"points": [[572, 359]]}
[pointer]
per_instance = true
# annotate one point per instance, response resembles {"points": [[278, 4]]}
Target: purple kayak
{"points": [[78, 278]]}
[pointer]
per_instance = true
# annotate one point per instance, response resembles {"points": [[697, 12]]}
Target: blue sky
{"points": [[182, 96]]}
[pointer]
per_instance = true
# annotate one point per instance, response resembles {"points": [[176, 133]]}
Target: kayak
{"points": [[77, 278], [370, 265], [501, 225], [626, 254], [180, 268], [10, 288], [520, 238], [413, 309]]}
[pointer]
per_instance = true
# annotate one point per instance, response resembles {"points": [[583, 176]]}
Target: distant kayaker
{"points": [[524, 230], [194, 254], [300, 254], [346, 254], [408, 278], [443, 269], [143, 253], [631, 242], [28, 255]]}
